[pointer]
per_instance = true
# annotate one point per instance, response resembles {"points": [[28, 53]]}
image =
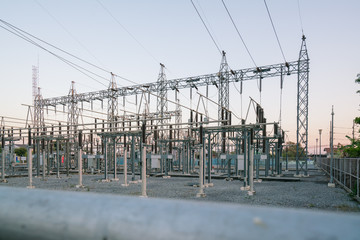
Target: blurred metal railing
{"points": [[44, 214], [345, 172]]}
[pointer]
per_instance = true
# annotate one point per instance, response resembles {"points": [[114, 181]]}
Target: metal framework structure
{"points": [[38, 121], [112, 112], [220, 80], [73, 109], [223, 90], [247, 74], [162, 103], [302, 109]]}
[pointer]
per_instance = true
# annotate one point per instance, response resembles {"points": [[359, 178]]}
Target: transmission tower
{"points": [[178, 115], [35, 74], [302, 109], [73, 110], [38, 120], [38, 110], [223, 88], [162, 103], [112, 102]]}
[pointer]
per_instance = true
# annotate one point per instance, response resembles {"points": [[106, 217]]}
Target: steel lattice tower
{"points": [[73, 110], [162, 103], [112, 112], [178, 114], [39, 121], [223, 88], [302, 109]]}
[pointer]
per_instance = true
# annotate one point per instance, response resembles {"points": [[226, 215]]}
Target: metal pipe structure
{"points": [[34, 214]]}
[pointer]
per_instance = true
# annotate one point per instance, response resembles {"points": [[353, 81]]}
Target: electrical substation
{"points": [[161, 143], [169, 153]]}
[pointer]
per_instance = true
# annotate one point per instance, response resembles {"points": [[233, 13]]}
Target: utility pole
{"points": [[320, 130], [316, 149], [331, 183]]}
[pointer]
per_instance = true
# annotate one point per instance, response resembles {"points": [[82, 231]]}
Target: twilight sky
{"points": [[130, 38]]}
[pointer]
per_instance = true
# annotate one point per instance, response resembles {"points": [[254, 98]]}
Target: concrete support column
{"points": [[29, 160], [201, 170], [67, 152], [44, 164], [125, 184], [133, 159], [143, 172], [3, 166], [201, 165], [57, 160], [80, 168], [106, 178], [115, 165], [37, 158], [251, 172]]}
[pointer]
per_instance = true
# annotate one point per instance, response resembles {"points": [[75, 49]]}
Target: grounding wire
{"points": [[67, 31], [128, 32], [206, 27], [238, 32], [72, 55], [273, 26], [301, 22], [73, 65]]}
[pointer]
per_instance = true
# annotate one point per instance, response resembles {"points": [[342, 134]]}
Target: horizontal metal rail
{"points": [[44, 214]]}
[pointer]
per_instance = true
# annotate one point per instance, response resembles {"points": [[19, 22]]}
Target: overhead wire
{"points": [[238, 32], [57, 48], [301, 22], [126, 30], [66, 30], [18, 33], [273, 26], [207, 29]]}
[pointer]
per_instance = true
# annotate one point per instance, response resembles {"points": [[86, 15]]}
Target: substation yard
{"points": [[285, 192]]}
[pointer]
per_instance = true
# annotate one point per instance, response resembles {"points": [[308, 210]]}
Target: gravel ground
{"points": [[309, 193]]}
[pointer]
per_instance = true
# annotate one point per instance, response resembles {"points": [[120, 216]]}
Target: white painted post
{"points": [[29, 160], [80, 168], [43, 163], [251, 172], [201, 186], [143, 173], [125, 184]]}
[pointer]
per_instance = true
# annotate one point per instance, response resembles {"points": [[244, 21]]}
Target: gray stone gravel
{"points": [[310, 193]]}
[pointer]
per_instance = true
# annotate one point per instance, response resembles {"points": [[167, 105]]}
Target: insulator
{"points": [[80, 138]]}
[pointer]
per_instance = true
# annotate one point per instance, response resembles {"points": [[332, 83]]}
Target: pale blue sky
{"points": [[174, 35]]}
